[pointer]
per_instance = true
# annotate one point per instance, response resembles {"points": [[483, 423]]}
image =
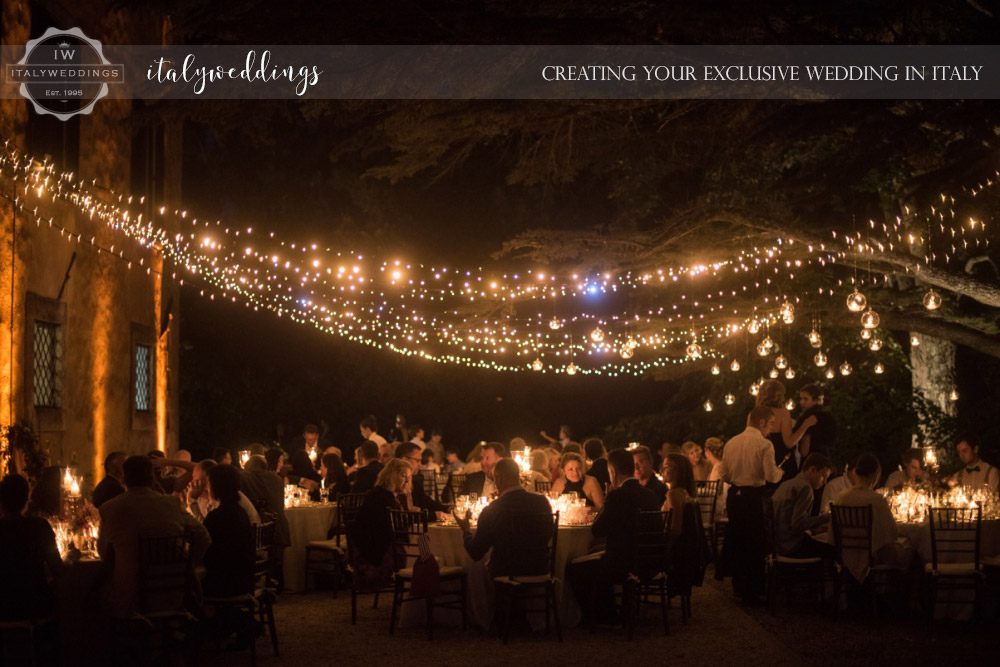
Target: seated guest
{"points": [[369, 467], [975, 473], [482, 483], [539, 471], [912, 472], [416, 499], [427, 464], [371, 533], [702, 468], [46, 497], [838, 485], [494, 530], [111, 485], [885, 547], [574, 480], [555, 459], [687, 541], [334, 475], [592, 577], [436, 446], [713, 454], [452, 462], [666, 447], [679, 474], [230, 559], [793, 502], [266, 492], [644, 473], [199, 502], [275, 460], [572, 448], [140, 512], [222, 456], [27, 549], [598, 457], [472, 460]]}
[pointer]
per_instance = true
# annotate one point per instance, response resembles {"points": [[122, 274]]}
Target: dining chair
{"points": [[543, 486], [707, 495], [787, 571], [955, 546], [648, 574], [531, 538], [852, 541]]}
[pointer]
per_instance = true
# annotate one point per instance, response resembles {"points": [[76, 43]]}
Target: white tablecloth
{"points": [[305, 525], [447, 545]]}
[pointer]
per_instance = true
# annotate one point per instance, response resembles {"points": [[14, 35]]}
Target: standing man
{"points": [[436, 446], [819, 437], [369, 426], [975, 473], [418, 436], [747, 465]]}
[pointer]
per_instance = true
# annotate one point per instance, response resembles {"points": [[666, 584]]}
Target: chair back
{"points": [[852, 538], [770, 537], [348, 507], [166, 576], [442, 487], [430, 484], [263, 537], [651, 543], [543, 486], [407, 527], [457, 484], [955, 534], [707, 495], [530, 539]]}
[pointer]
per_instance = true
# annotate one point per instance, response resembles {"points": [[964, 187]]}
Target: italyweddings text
{"points": [[163, 71]]}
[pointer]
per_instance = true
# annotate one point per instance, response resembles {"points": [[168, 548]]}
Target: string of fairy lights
{"points": [[538, 320]]}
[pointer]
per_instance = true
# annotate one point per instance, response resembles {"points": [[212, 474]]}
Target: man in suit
{"points": [[645, 474], [417, 498], [592, 577], [482, 483], [495, 531], [138, 513], [368, 467], [112, 484]]}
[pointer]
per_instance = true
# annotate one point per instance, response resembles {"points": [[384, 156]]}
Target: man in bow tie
{"points": [[976, 472]]}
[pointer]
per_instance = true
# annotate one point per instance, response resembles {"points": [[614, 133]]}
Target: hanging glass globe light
{"points": [[790, 405], [787, 312], [830, 374], [866, 334], [815, 339], [554, 323], [773, 373], [735, 366], [856, 301], [631, 343], [879, 368], [915, 341], [781, 362], [820, 359], [845, 369], [626, 351], [762, 349], [708, 406], [715, 369], [753, 327], [770, 343], [597, 335], [932, 300], [694, 351], [953, 396], [536, 365], [870, 319], [790, 373], [571, 369], [729, 399], [754, 389], [875, 344]]}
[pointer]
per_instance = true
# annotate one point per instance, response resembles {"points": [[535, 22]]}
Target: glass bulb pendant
{"points": [[790, 374], [730, 399], [932, 300], [554, 323], [694, 351], [627, 351], [879, 368], [845, 368], [815, 339], [762, 349], [870, 319], [715, 369], [708, 406], [753, 327], [915, 341], [830, 374], [773, 374], [597, 335], [820, 359], [571, 369], [735, 366], [875, 344], [856, 301], [536, 364], [781, 362], [866, 334]]}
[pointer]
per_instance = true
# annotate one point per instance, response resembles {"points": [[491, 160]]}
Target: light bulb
{"points": [[787, 312], [870, 319], [631, 343], [790, 405], [730, 399], [879, 368], [953, 396], [554, 323], [754, 389], [735, 366], [790, 373], [875, 344], [830, 374], [762, 349], [694, 351], [768, 342], [571, 369], [845, 368], [597, 335], [866, 334], [856, 301], [753, 327], [708, 406], [715, 369], [815, 339], [915, 341], [773, 373], [932, 300], [820, 359], [781, 362], [536, 364], [626, 351]]}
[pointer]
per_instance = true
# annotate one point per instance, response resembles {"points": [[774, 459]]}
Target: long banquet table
{"points": [[305, 524]]}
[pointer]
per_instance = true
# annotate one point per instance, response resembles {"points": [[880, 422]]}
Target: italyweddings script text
{"points": [[163, 71]]}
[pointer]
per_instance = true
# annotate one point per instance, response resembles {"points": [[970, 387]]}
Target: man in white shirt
{"points": [[747, 465], [418, 437], [368, 427], [975, 473]]}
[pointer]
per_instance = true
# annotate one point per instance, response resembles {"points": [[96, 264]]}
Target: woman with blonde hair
{"points": [[371, 532], [772, 395], [574, 480], [555, 458]]}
